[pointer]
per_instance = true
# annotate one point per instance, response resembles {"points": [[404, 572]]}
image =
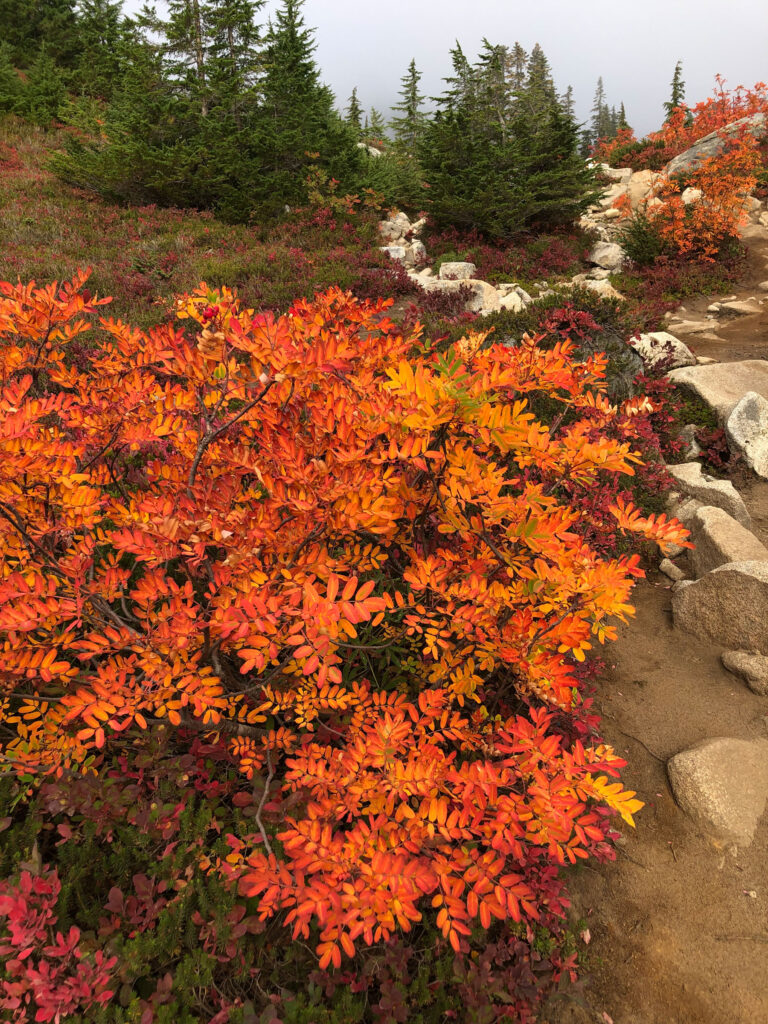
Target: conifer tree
{"points": [[297, 125], [10, 84], [376, 129], [28, 24], [100, 40], [678, 90], [566, 102], [623, 123], [408, 125], [600, 124], [45, 93], [354, 114], [516, 67], [493, 166]]}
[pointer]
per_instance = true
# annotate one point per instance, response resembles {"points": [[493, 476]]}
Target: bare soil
{"points": [[679, 922]]}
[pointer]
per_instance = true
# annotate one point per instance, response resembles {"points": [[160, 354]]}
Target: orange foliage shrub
{"points": [[344, 563], [685, 126], [699, 228]]}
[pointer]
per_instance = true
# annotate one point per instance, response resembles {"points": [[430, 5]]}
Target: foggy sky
{"points": [[633, 45]]}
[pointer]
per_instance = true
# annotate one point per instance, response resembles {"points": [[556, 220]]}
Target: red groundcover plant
{"points": [[354, 567]]}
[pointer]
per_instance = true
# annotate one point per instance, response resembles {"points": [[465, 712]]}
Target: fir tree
{"points": [[354, 114], [600, 124], [408, 126], [678, 90], [623, 123], [297, 126], [566, 102], [45, 93], [11, 88], [28, 24], [516, 61], [493, 166], [101, 35], [376, 127]]}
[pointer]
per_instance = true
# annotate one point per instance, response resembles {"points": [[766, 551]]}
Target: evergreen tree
{"points": [[516, 68], [100, 39], [623, 123], [678, 90], [409, 125], [600, 125], [538, 94], [354, 114], [376, 127], [296, 118], [11, 88], [28, 24], [501, 160], [45, 93], [566, 102]]}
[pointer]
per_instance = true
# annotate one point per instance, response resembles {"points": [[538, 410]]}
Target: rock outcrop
{"points": [[714, 143]]}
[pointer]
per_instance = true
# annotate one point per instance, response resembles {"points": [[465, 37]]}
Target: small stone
{"points": [[752, 668], [722, 784], [691, 195], [674, 572], [705, 360], [688, 437]]}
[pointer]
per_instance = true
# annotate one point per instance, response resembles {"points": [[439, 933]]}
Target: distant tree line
{"points": [[200, 105]]}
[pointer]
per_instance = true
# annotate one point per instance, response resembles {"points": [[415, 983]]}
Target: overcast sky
{"points": [[633, 45]]}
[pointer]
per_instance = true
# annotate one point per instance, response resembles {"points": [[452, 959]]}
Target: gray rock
{"points": [[752, 668], [695, 483], [747, 431], [674, 572], [512, 301], [604, 289], [688, 437], [723, 785], [608, 255], [457, 271], [395, 252], [418, 250], [714, 143], [727, 606], [370, 150], [620, 174], [747, 307], [719, 539], [722, 385], [624, 364], [640, 185], [659, 346]]}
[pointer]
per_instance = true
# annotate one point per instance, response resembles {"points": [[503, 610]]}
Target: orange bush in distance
{"points": [[341, 558]]}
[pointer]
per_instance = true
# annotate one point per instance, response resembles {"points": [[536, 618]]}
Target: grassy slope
{"points": [[144, 256]]}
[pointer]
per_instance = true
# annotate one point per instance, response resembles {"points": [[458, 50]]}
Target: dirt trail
{"points": [[679, 923]]}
